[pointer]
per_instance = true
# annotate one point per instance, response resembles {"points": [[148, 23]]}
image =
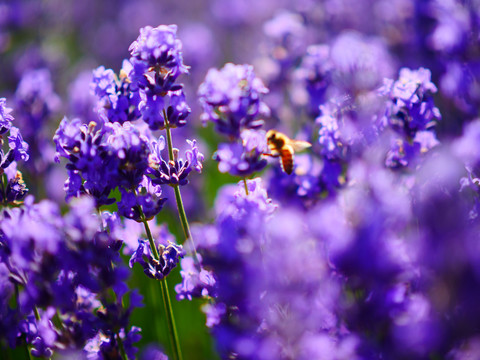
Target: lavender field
{"points": [[239, 179]]}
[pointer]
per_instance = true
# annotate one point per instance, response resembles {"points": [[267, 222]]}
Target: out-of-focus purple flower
{"points": [[36, 101], [243, 159], [153, 352], [196, 281], [287, 38], [5, 117], [458, 82], [453, 27], [466, 147], [332, 146], [411, 113], [232, 98], [17, 145], [81, 101], [314, 76], [359, 63]]}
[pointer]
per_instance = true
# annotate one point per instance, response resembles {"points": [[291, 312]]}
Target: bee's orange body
{"points": [[282, 146]]}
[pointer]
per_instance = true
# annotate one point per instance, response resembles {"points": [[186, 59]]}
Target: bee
{"points": [[282, 146]]}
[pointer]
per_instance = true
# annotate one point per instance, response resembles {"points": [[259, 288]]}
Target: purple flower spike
{"points": [[159, 48], [174, 172], [5, 117], [157, 269], [232, 98], [17, 145]]}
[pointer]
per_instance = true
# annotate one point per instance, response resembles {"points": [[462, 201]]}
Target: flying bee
{"points": [[282, 146]]}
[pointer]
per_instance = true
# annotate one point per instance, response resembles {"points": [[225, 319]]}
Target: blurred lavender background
{"points": [[370, 249]]}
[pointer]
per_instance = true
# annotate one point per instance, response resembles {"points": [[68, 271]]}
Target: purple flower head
{"points": [[196, 281], [17, 145], [82, 222], [15, 191], [410, 107], [359, 62], [466, 147], [329, 134], [103, 82], [115, 97], [153, 352], [160, 50], [453, 27], [130, 150], [147, 197], [152, 108], [5, 117], [157, 269], [174, 172], [243, 159], [36, 101], [232, 98], [193, 156], [286, 32], [314, 74], [103, 155], [103, 346]]}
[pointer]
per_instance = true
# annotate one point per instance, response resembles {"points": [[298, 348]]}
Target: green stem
{"points": [[121, 347], [172, 330], [177, 352], [184, 221], [27, 350], [178, 196], [37, 314], [169, 137], [246, 187]]}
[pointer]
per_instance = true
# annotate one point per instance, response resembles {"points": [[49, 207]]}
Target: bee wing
{"points": [[299, 145]]}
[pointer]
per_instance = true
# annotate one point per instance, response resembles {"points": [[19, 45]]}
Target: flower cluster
{"points": [[412, 115], [12, 187], [232, 99], [56, 276], [364, 246]]}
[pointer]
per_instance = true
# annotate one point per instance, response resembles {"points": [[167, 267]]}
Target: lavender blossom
{"points": [[116, 99], [232, 98], [5, 117], [412, 114], [246, 158], [174, 172], [157, 269], [159, 48]]}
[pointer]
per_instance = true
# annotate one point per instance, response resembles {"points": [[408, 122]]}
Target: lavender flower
{"points": [[157, 269], [152, 105], [115, 96], [159, 48], [243, 159], [174, 172], [145, 200], [411, 114], [104, 155], [5, 117], [231, 98], [314, 75], [196, 281]]}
